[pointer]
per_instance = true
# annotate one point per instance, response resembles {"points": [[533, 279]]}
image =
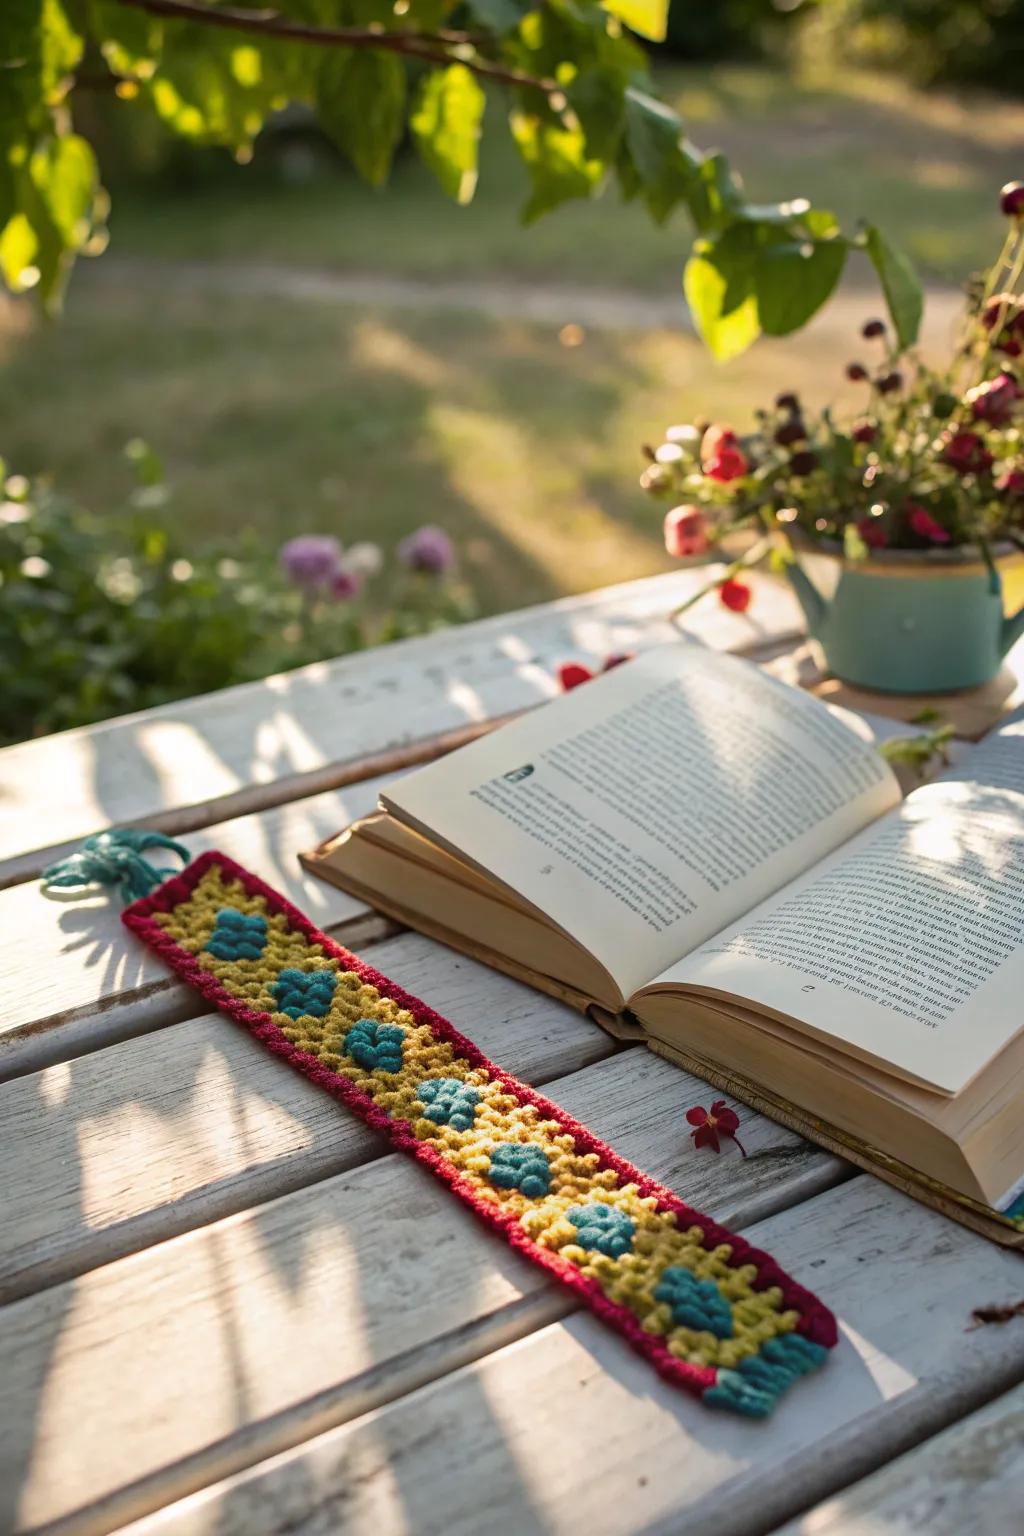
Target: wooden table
{"points": [[229, 1311]]}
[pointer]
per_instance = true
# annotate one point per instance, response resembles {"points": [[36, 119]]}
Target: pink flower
{"points": [[994, 400], [872, 533], [686, 532], [728, 464], [311, 561], [735, 595], [710, 1124], [966, 453], [924, 525], [429, 549], [717, 437]]}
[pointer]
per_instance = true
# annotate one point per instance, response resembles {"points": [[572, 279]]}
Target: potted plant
{"points": [[900, 529]]}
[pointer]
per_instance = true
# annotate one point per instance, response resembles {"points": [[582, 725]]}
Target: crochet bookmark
{"points": [[710, 1313]]}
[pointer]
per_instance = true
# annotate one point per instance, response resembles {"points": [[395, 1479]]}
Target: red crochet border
{"points": [[816, 1322]]}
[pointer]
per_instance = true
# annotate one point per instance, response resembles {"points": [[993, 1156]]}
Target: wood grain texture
{"points": [[229, 753], [156, 1135], [566, 1431], [968, 1479], [152, 1376], [66, 963]]}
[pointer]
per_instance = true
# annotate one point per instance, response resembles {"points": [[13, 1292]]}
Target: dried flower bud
{"points": [[856, 373], [787, 402], [803, 463], [1011, 199], [865, 432], [873, 328], [888, 383], [792, 431]]}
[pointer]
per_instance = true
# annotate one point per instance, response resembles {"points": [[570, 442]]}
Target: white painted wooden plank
{"points": [[164, 1370], [968, 1479], [263, 743], [159, 1134], [568, 1431], [65, 962]]}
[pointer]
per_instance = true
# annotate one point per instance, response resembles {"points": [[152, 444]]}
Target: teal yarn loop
{"points": [[115, 858]]}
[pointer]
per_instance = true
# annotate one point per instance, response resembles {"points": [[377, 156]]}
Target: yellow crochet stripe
{"points": [[576, 1178]]}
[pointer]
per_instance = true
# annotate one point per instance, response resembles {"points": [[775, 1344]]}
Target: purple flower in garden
{"points": [[428, 549], [311, 561]]}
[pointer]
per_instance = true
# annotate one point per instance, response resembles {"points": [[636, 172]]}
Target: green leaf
{"points": [[64, 175], [668, 165], [130, 41], [446, 126], [596, 96], [719, 288], [557, 161], [793, 280], [18, 247], [900, 285], [500, 15], [647, 17], [360, 104]]}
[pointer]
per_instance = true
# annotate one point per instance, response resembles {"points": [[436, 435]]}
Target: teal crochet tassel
{"points": [[115, 858]]}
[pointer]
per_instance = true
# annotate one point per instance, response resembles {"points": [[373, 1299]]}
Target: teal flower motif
{"points": [[304, 992], [521, 1165], [603, 1227], [447, 1101], [374, 1046], [237, 935], [695, 1303]]}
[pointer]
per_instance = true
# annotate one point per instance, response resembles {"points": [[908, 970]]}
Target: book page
{"points": [[906, 946], [648, 808]]}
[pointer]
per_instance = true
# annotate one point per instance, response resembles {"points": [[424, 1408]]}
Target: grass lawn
{"points": [[287, 416], [926, 167], [292, 417]]}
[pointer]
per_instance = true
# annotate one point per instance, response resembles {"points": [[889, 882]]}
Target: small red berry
{"points": [[735, 595], [787, 402], [856, 372], [1011, 199], [924, 525], [872, 329], [572, 673], [804, 462], [865, 432], [888, 383]]}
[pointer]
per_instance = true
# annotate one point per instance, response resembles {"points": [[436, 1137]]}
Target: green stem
{"points": [[744, 563]]}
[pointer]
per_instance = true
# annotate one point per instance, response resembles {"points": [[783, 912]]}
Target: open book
{"points": [[705, 857]]}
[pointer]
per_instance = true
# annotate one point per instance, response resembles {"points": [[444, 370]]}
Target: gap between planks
{"points": [[160, 1134], [566, 1430], [155, 1375]]}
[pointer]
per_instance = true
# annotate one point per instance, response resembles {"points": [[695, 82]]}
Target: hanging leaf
{"points": [[719, 283], [900, 285], [557, 161], [667, 164], [647, 17], [360, 103], [794, 279], [446, 125]]}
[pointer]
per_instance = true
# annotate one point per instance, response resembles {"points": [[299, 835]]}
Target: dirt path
{"points": [[610, 309]]}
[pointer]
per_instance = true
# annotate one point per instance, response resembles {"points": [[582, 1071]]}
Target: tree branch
{"points": [[436, 48]]}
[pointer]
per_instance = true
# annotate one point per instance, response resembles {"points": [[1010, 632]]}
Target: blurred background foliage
{"points": [[310, 354]]}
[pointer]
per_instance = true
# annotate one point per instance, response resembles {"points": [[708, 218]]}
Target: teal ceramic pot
{"points": [[905, 622]]}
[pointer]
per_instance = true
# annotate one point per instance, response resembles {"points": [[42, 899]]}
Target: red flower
{"points": [[872, 533], [924, 525], [729, 463], [735, 595], [966, 453], [710, 1124], [685, 532], [994, 400], [865, 432], [1011, 482], [572, 673]]}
